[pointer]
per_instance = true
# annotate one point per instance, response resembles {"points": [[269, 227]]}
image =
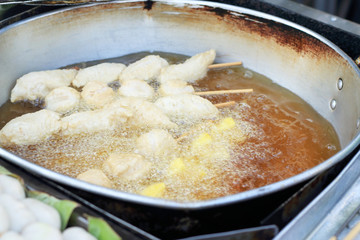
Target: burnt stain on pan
{"points": [[284, 35], [148, 5], [219, 11]]}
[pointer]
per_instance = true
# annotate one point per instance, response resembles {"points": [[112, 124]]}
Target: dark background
{"points": [[348, 9]]}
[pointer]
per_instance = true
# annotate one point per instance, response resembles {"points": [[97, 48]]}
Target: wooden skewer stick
{"points": [[219, 65], [225, 104], [224, 91]]}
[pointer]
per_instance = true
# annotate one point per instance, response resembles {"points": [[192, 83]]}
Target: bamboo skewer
{"points": [[224, 92], [225, 104], [231, 91], [219, 105], [219, 65]]}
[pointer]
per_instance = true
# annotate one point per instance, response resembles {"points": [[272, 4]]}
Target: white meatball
{"points": [[156, 143], [31, 128], [103, 72], [145, 114], [95, 176], [175, 87], [97, 94], [12, 186], [191, 70], [136, 88], [108, 119], [129, 166], [187, 108], [4, 220], [20, 216], [43, 212], [36, 85], [62, 100], [11, 236], [43, 231], [77, 233], [147, 69]]}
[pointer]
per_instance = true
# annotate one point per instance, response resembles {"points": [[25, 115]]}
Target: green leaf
{"points": [[101, 229], [64, 207]]}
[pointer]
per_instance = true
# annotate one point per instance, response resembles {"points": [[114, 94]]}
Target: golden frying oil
{"points": [[284, 136]]}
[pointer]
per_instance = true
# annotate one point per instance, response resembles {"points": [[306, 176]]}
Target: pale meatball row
{"points": [[30, 219], [112, 111], [37, 85], [36, 127], [33, 128]]}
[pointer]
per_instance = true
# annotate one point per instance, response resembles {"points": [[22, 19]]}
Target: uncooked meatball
{"points": [[4, 221], [77, 233], [43, 213], [19, 215], [39, 230], [11, 235], [11, 186]]}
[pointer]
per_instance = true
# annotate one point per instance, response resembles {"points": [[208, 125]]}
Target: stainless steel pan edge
{"points": [[346, 69]]}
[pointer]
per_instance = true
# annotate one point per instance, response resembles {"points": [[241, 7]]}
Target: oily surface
{"points": [[276, 136]]}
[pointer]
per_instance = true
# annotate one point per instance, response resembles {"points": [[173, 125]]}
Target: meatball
{"points": [[156, 143], [95, 176], [191, 70], [147, 69], [97, 94], [36, 85], [145, 114], [129, 166], [175, 87], [136, 88], [62, 100], [31, 128], [187, 108], [103, 72], [108, 119]]}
